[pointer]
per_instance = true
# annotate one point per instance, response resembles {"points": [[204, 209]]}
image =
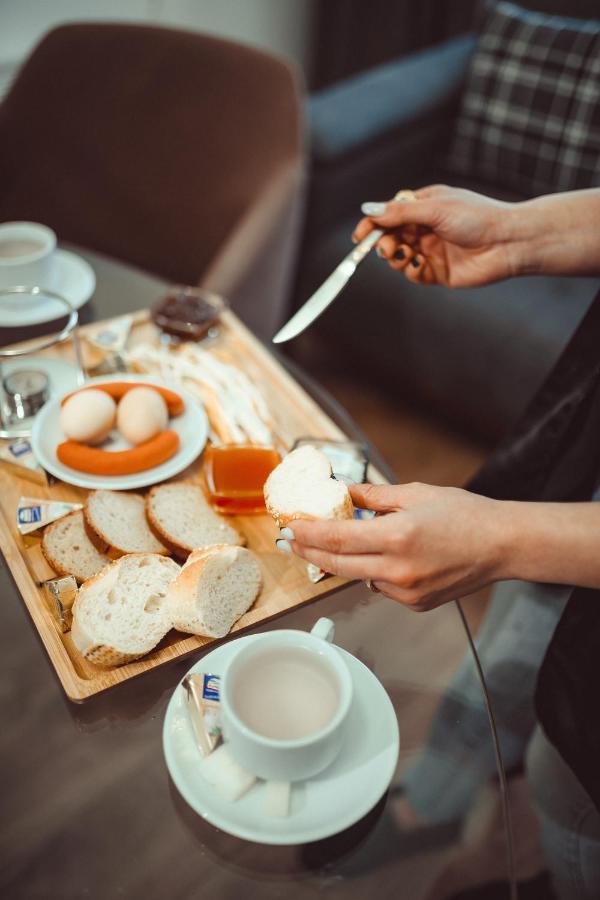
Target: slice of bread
{"points": [[182, 518], [301, 487], [117, 524], [122, 613], [214, 588], [69, 550]]}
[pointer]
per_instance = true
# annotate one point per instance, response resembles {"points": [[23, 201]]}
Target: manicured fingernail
{"points": [[416, 261], [373, 209], [283, 546], [288, 534], [400, 255], [379, 252], [354, 238]]}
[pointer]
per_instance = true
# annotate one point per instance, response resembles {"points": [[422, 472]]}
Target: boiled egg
{"points": [[141, 415], [88, 416]]}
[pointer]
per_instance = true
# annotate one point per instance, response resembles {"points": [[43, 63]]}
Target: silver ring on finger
{"points": [[372, 587]]}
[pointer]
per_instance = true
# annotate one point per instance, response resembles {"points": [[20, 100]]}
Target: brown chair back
{"points": [[149, 144]]}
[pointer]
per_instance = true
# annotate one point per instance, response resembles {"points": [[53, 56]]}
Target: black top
{"points": [[554, 455]]}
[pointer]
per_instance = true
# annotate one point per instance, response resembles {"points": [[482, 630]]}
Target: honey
{"points": [[235, 476]]}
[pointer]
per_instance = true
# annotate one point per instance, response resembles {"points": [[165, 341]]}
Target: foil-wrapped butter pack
{"points": [[203, 706], [17, 456], [33, 513], [60, 594]]}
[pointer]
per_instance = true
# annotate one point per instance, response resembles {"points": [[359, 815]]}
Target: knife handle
{"points": [[366, 245]]}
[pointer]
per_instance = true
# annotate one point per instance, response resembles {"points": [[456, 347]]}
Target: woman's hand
{"points": [[459, 238], [446, 236], [426, 546]]}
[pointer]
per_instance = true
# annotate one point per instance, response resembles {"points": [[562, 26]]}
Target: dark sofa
{"points": [[473, 356]]}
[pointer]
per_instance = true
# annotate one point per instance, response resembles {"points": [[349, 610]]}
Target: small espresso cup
{"points": [[255, 663], [26, 254]]}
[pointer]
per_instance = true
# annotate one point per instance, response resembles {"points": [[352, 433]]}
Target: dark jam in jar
{"points": [[188, 313]]}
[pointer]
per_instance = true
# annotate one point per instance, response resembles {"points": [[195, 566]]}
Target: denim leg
{"points": [[569, 822], [458, 755]]}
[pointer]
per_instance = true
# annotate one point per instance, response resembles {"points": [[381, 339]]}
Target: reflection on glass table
{"points": [[92, 810]]}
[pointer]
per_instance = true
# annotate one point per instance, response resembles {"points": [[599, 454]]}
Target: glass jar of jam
{"points": [[235, 476], [188, 313]]}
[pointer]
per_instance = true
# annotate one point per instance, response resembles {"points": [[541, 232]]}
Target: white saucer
{"points": [[327, 804], [191, 426], [72, 277]]}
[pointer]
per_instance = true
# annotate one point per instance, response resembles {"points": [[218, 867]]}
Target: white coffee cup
{"points": [[279, 758], [26, 254]]}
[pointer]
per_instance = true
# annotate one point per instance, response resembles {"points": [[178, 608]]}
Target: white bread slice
{"points": [[117, 524], [301, 487], [214, 588], [69, 550], [182, 518], [122, 613]]}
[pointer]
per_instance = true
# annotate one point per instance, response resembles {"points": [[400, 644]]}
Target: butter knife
{"points": [[329, 290]]}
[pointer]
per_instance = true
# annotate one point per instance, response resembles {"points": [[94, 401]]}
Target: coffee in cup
{"points": [[26, 254], [285, 699]]}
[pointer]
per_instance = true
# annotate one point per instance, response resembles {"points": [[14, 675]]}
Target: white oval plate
{"points": [[72, 276], [191, 426], [327, 804]]}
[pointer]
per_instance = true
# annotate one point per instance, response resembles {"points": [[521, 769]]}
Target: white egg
{"points": [[88, 416], [141, 415]]}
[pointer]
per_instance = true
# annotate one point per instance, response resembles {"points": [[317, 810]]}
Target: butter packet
{"points": [[34, 514], [111, 337], [202, 696], [60, 594], [316, 574], [18, 457]]}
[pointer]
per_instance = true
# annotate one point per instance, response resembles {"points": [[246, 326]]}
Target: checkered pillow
{"points": [[530, 112]]}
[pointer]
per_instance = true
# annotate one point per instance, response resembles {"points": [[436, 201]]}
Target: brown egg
{"points": [[141, 415]]}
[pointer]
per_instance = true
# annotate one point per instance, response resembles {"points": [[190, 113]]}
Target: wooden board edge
{"points": [[74, 686]]}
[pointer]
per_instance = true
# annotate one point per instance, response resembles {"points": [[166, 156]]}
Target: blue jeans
{"points": [[569, 822], [458, 758]]}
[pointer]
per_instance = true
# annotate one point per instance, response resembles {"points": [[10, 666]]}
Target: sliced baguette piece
{"points": [[122, 613], [117, 524], [214, 588], [301, 487], [182, 518], [69, 550]]}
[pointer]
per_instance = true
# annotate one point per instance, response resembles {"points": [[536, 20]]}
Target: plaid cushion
{"points": [[530, 112]]}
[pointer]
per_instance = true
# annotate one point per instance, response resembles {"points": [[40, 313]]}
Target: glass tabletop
{"points": [[89, 810]]}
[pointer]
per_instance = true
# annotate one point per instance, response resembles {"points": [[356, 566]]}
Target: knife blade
{"points": [[328, 291]]}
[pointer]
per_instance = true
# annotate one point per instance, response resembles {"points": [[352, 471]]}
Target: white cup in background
{"points": [[285, 683], [26, 254]]}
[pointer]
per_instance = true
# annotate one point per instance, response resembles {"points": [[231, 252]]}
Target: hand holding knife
{"points": [[333, 286]]}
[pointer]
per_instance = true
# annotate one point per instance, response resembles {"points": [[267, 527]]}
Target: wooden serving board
{"points": [[286, 584]]}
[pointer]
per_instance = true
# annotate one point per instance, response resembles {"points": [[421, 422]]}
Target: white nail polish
{"points": [[288, 534], [373, 209], [283, 546]]}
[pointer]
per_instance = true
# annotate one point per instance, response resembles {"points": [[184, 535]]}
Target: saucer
{"points": [[72, 277], [327, 804]]}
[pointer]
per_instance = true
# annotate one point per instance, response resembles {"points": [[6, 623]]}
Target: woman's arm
{"points": [[429, 545], [559, 234], [459, 238]]}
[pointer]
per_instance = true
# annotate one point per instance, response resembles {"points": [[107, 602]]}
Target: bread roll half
{"points": [[122, 613], [302, 487], [214, 588]]}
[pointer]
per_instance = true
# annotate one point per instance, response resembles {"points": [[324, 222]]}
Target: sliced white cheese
{"points": [[220, 769]]}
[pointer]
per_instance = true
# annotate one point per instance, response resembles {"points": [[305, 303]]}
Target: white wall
{"points": [[281, 26]]}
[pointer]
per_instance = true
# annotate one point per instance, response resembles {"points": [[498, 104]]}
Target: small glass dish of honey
{"points": [[235, 476]]}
